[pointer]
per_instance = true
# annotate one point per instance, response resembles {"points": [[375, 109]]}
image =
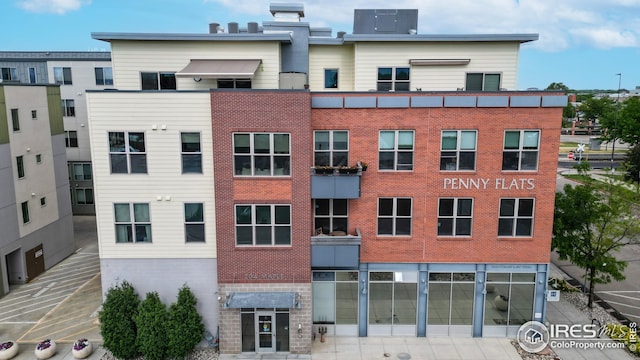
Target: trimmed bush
{"points": [[151, 323], [117, 324], [185, 328], [622, 333]]}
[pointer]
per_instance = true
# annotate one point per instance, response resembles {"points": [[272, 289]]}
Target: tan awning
{"points": [[220, 69]]}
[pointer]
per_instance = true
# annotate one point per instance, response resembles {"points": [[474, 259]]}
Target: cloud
{"points": [[59, 7]]}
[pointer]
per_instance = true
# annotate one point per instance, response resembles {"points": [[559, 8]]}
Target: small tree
{"points": [[632, 163], [185, 328], [117, 324], [590, 226], [151, 322]]}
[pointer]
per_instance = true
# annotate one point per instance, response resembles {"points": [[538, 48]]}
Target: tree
{"points": [[569, 112], [590, 225], [185, 328], [626, 124], [151, 322], [557, 86], [594, 109], [117, 324], [632, 163]]}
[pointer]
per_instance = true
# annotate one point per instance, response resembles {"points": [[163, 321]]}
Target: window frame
{"points": [[190, 224], [458, 151], [105, 76], [9, 74], [333, 83], [396, 151], [159, 81], [24, 207], [127, 152], [83, 173], [187, 153], [62, 75], [393, 81], [331, 150], [133, 222], [43, 201], [394, 217], [38, 158], [516, 217], [484, 81], [240, 83], [84, 191], [240, 158], [34, 114], [68, 107], [254, 225], [15, 120], [521, 150], [455, 217], [33, 75], [20, 167], [71, 138], [331, 216]]}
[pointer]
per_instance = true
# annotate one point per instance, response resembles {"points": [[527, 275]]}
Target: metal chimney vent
{"points": [[252, 27], [233, 27], [213, 28]]}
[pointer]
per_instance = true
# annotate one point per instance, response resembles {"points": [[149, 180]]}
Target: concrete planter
{"points": [[84, 352], [46, 352], [501, 302], [9, 353]]}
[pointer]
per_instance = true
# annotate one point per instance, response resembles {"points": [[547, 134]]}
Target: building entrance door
{"points": [[265, 331]]}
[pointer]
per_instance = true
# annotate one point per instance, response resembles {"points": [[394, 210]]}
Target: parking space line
{"points": [[623, 304]]}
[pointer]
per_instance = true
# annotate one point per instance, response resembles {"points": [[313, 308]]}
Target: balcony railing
{"points": [[335, 183], [336, 252]]}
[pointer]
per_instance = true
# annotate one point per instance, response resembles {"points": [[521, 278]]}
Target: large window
{"points": [[331, 215], [133, 223], [516, 217], [454, 217], [104, 76], [261, 154], [81, 171], [127, 153], [191, 152], [25, 212], [450, 298], [194, 222], [62, 75], [394, 216], [393, 78], [71, 139], [392, 298], [458, 150], [483, 82], [395, 150], [263, 225], [15, 120], [509, 298], [68, 107], [335, 297], [330, 78], [158, 81], [20, 166], [32, 75], [331, 148], [9, 74], [520, 150], [234, 83], [83, 196]]}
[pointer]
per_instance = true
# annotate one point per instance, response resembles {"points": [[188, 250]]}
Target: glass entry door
{"points": [[265, 331]]}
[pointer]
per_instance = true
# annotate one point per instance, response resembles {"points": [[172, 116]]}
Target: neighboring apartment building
{"points": [[75, 72], [204, 169], [35, 210]]}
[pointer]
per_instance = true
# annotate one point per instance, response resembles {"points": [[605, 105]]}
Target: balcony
{"points": [[336, 251], [332, 183]]}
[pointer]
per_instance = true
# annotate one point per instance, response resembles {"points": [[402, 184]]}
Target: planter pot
{"points": [[324, 171], [83, 353], [46, 353], [10, 352], [501, 303], [348, 171]]}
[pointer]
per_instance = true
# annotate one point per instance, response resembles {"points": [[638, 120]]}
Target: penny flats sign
{"points": [[488, 183]]}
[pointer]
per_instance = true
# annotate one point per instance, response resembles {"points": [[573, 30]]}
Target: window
{"points": [[458, 150], [261, 154], [62, 75], [104, 76], [330, 78], [194, 222], [395, 150], [25, 212], [393, 78], [520, 150], [32, 76], [68, 107], [34, 114], [191, 153], [71, 139], [127, 153], [331, 148], [331, 215], [158, 81], [20, 166], [43, 201], [83, 196], [516, 217], [454, 217], [483, 82], [263, 225], [15, 119], [38, 158], [9, 74], [394, 216], [82, 171], [234, 83], [133, 223]]}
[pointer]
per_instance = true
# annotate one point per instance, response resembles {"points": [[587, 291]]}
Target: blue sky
{"points": [[583, 43]]}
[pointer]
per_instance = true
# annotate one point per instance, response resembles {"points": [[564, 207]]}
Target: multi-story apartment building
{"points": [[207, 161], [35, 210], [75, 72]]}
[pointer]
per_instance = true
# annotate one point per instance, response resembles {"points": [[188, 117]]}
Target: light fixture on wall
{"points": [[364, 287]]}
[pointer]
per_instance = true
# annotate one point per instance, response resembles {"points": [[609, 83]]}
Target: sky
{"points": [[583, 44]]}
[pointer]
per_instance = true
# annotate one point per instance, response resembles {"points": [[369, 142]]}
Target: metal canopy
{"points": [[261, 300], [220, 69]]}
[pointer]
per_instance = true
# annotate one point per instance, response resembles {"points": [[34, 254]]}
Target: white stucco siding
{"points": [[164, 187], [323, 57], [132, 57], [485, 57]]}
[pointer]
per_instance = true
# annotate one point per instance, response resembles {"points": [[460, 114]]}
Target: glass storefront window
{"points": [[509, 299]]}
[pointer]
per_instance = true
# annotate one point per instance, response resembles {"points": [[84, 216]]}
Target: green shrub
{"points": [[151, 322], [117, 324], [622, 333], [185, 328]]}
